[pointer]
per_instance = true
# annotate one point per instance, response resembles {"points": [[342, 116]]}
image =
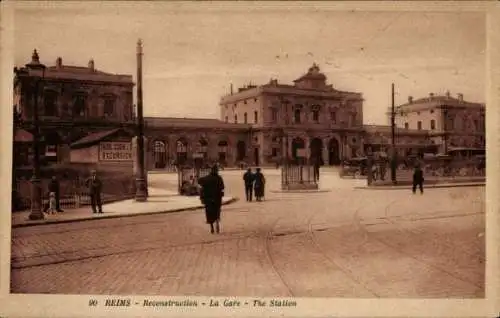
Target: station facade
{"points": [[259, 125]]}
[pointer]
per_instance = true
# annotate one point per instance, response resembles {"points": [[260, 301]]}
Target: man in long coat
{"points": [[95, 188], [248, 179], [211, 193]]}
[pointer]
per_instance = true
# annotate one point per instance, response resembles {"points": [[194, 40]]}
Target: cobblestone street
{"points": [[344, 242]]}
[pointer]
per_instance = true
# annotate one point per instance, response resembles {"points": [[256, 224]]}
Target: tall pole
{"points": [[393, 138], [35, 66], [141, 186]]}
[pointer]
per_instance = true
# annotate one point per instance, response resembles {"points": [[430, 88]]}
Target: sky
{"points": [[193, 52]]}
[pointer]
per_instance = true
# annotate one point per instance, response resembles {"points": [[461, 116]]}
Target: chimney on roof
{"points": [[431, 96], [59, 62], [91, 65], [460, 97], [447, 94], [410, 99]]}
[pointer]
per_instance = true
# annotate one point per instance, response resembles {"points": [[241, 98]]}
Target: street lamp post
{"points": [[445, 128], [36, 71], [393, 138], [141, 186]]}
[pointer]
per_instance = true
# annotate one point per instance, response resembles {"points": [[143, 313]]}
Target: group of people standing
{"points": [[254, 183]]}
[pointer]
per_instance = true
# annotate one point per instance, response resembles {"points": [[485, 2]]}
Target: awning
{"points": [[22, 135]]}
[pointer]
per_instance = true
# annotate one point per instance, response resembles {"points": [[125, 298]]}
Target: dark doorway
{"points": [[316, 155], [222, 151], [240, 150], [256, 156], [333, 152]]}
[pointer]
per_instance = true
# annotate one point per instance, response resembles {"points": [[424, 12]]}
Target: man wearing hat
{"points": [[211, 193], [95, 187]]}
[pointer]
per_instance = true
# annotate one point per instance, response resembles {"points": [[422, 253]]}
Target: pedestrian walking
{"points": [[211, 193], [418, 179], [259, 184], [95, 188], [54, 188], [248, 178]]}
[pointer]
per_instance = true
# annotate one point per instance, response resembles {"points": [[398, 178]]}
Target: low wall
{"points": [[118, 183]]}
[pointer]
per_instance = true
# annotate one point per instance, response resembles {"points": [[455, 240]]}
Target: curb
{"points": [[115, 216], [301, 191], [435, 186]]}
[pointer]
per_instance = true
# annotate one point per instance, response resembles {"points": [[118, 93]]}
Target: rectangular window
{"points": [[419, 125], [274, 115], [235, 119], [333, 117], [109, 107], [50, 103], [255, 116], [79, 106], [245, 118], [407, 126], [297, 116], [226, 119], [274, 152], [433, 124], [451, 124], [315, 116]]}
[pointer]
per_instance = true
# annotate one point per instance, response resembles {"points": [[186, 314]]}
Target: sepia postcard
{"points": [[250, 159]]}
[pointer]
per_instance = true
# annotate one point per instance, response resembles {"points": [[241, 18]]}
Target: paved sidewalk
{"points": [[406, 186], [159, 201]]}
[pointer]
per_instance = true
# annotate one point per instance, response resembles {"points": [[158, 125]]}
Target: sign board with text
{"points": [[115, 151]]}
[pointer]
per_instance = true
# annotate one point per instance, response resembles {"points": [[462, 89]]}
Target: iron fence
{"points": [[73, 193], [298, 175]]}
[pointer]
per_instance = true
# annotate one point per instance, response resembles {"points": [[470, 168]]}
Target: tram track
{"points": [[349, 274], [268, 237], [389, 220]]}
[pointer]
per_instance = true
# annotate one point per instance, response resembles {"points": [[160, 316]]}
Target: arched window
{"points": [[235, 119], [245, 118], [256, 116]]}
